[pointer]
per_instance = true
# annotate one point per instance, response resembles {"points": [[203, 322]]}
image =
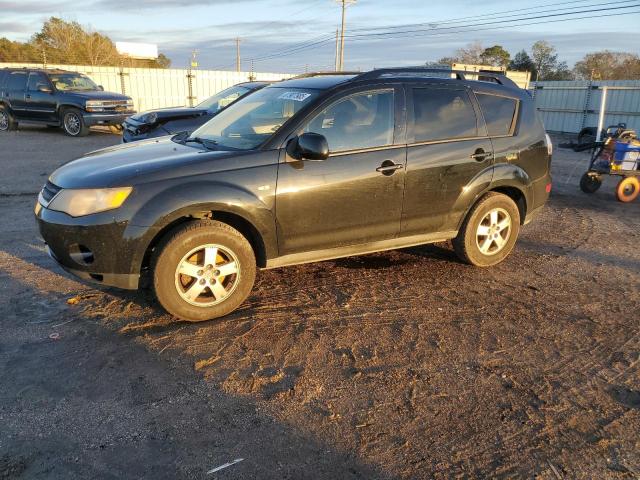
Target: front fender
{"points": [[164, 206]]}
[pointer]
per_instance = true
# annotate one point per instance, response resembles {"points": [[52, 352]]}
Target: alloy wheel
{"points": [[4, 120], [72, 123], [493, 231], [207, 275]]}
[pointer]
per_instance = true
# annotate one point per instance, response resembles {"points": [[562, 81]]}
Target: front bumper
{"points": [[95, 248], [105, 118]]}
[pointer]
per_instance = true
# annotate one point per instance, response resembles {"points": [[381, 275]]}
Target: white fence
{"points": [[157, 87], [571, 106]]}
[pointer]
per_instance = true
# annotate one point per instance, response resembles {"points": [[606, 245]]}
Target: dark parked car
{"points": [[169, 121], [58, 98], [304, 170]]}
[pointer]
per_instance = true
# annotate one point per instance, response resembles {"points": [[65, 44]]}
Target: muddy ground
{"points": [[404, 364]]}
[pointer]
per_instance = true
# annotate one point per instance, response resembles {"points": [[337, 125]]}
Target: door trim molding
{"points": [[360, 249]]}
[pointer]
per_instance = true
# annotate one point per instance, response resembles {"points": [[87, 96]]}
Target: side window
{"points": [[3, 77], [17, 81], [363, 120], [37, 79], [498, 113], [442, 114]]}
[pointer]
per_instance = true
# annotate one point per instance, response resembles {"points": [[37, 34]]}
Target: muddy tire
{"points": [[73, 123], [7, 121], [203, 270], [489, 231], [590, 183], [628, 189]]}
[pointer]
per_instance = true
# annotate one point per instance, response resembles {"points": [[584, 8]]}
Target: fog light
{"points": [[81, 254]]}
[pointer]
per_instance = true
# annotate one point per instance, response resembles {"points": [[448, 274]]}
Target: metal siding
{"points": [[562, 106], [152, 88]]}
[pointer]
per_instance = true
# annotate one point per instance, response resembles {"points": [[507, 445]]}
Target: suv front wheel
{"points": [[203, 270], [73, 124], [489, 232]]}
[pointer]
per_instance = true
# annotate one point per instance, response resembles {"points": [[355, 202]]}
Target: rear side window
{"points": [[3, 77], [16, 81], [499, 113], [442, 114]]}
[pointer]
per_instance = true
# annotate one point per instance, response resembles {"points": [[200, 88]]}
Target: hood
{"points": [[172, 113], [130, 163], [96, 95]]}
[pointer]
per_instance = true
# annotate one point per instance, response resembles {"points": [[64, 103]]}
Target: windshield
{"points": [[224, 98], [72, 81], [253, 119]]}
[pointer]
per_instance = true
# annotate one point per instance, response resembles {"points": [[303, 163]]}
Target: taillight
{"points": [[547, 142]]}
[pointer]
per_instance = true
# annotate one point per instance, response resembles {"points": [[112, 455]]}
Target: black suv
{"points": [[58, 98], [169, 121], [308, 169]]}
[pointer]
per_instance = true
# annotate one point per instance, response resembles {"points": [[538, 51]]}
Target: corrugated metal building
{"points": [[569, 106], [158, 87]]}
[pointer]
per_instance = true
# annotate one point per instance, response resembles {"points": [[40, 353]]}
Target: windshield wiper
{"points": [[205, 142]]}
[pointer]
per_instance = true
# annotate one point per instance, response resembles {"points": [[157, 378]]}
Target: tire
{"points": [[185, 283], [628, 189], [72, 123], [487, 215], [7, 120], [590, 183]]}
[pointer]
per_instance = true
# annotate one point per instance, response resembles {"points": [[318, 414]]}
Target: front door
{"points": [[40, 105], [447, 151], [354, 196]]}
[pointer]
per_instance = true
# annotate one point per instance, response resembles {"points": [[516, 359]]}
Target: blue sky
{"points": [[271, 26]]}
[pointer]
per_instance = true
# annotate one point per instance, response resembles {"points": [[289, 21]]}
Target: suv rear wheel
{"points": [[489, 232], [204, 270], [7, 120], [73, 124]]}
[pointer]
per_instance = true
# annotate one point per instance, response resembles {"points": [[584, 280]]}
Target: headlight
{"points": [[85, 202], [150, 117], [94, 105]]}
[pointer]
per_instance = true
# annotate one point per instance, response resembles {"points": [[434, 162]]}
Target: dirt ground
{"points": [[404, 364]]}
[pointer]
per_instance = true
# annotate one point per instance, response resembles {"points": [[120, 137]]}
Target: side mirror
{"points": [[101, 88], [44, 89], [308, 146]]}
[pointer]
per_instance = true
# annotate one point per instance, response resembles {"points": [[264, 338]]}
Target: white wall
{"points": [[157, 87]]}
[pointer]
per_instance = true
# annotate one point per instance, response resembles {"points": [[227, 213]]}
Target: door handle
{"points": [[480, 155], [388, 167], [27, 96]]}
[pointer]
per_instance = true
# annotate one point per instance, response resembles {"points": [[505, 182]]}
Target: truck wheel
{"points": [[203, 270], [628, 189], [73, 124], [590, 183], [489, 232], [7, 120]]}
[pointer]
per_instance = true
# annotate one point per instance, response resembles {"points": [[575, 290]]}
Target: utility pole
{"points": [[337, 50], [238, 54], [345, 4]]}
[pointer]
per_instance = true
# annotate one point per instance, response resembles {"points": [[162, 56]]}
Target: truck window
{"points": [[498, 113], [17, 81], [442, 114], [37, 79]]}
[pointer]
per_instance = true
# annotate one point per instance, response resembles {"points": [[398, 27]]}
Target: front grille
{"points": [[115, 106], [49, 191]]}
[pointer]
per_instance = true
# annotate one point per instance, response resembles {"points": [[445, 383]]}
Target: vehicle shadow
{"points": [[79, 401]]}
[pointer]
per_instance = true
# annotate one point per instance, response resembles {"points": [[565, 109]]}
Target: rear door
{"points": [[15, 90], [447, 149], [40, 105]]}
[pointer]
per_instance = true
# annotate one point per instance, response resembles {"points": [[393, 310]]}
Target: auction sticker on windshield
{"points": [[297, 96]]}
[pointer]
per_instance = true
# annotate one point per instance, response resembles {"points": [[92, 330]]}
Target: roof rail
{"points": [[460, 74], [321, 74]]}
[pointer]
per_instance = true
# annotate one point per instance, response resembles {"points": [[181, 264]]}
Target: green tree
{"points": [[522, 62], [496, 56], [545, 59]]}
